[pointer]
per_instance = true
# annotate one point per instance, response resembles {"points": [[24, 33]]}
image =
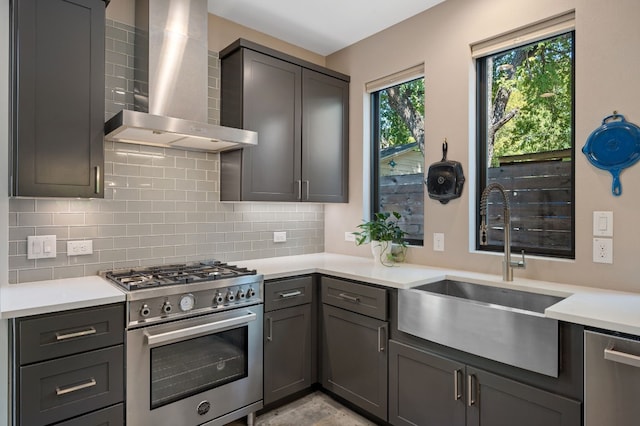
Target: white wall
{"points": [[607, 79]]}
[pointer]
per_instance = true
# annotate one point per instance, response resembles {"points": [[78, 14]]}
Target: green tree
{"points": [[531, 101], [402, 114]]}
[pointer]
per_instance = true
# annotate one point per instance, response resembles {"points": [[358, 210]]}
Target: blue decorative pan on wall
{"points": [[614, 146]]}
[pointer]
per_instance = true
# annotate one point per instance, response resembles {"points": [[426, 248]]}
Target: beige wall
{"points": [[222, 32], [607, 79]]}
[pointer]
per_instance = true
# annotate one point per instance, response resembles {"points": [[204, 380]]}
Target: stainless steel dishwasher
{"points": [[612, 379]]}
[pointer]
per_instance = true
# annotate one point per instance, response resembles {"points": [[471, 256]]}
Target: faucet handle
{"points": [[521, 264]]}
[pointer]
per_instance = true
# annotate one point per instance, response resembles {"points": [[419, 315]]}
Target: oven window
{"points": [[192, 366]]}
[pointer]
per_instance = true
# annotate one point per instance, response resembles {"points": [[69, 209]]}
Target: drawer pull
{"points": [[471, 400], [457, 374], [290, 294], [63, 391], [82, 333], [349, 298]]}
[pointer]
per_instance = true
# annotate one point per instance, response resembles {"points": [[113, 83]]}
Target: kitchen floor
{"points": [[316, 409]]}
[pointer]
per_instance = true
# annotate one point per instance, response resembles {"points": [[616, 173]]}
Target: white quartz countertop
{"points": [[40, 297], [607, 309]]}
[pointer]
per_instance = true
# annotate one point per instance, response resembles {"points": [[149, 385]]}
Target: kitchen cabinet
{"points": [[289, 337], [57, 113], [427, 389], [300, 111], [70, 367], [354, 343]]}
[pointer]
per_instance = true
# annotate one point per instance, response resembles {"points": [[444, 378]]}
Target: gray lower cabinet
{"points": [[289, 337], [354, 344], [428, 390], [300, 111], [57, 111], [69, 367], [424, 389]]}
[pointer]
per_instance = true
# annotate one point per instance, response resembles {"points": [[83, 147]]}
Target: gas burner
{"points": [[175, 274]]}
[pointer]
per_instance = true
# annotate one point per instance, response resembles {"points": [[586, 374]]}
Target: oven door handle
{"points": [[197, 330]]}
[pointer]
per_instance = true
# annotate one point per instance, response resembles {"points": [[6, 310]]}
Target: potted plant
{"points": [[382, 231]]}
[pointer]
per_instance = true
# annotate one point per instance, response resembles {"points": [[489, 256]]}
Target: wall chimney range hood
{"points": [[170, 82]]}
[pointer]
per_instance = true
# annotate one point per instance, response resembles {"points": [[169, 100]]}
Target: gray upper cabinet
{"points": [[57, 121], [300, 111]]}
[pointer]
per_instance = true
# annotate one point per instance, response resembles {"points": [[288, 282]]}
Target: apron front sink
{"points": [[501, 324]]}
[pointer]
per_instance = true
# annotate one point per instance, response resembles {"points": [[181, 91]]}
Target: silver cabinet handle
{"points": [[471, 395], [457, 374], [624, 358], [98, 183], [63, 391], [382, 331], [290, 294], [308, 189], [299, 189], [198, 330], [349, 298], [89, 331], [270, 333]]}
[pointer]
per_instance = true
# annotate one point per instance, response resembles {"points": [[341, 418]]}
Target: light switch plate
{"points": [[349, 236], [41, 247], [280, 236], [438, 242], [603, 224]]}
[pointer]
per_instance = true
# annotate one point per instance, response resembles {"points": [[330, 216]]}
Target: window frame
{"points": [[374, 95], [481, 149]]}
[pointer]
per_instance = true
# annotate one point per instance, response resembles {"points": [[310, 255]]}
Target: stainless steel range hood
{"points": [[171, 82]]}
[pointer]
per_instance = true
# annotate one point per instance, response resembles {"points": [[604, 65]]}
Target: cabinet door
{"points": [[354, 359], [496, 401], [424, 389], [58, 103], [325, 137], [271, 106], [287, 352], [65, 387]]}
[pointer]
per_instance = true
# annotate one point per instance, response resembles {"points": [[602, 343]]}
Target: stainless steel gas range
{"points": [[193, 344]]}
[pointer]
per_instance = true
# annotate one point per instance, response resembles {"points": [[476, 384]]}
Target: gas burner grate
{"points": [[175, 274]]}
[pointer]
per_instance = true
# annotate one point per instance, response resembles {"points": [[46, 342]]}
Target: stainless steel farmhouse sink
{"points": [[501, 324]]}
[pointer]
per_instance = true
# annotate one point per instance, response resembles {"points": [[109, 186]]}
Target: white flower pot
{"points": [[381, 251]]}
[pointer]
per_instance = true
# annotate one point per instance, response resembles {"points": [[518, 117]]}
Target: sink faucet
{"points": [[507, 264]]}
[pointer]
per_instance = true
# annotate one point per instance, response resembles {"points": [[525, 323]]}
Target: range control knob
{"points": [[219, 299], [167, 308], [230, 296], [251, 292], [241, 294], [145, 310]]}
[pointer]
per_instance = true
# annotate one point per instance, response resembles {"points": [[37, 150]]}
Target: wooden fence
{"points": [[405, 195], [539, 194], [541, 204]]}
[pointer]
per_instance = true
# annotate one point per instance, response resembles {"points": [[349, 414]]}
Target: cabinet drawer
{"points": [[360, 298], [287, 293], [55, 335], [111, 416], [56, 390]]}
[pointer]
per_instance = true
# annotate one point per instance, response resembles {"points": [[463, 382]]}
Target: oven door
{"points": [[191, 371]]}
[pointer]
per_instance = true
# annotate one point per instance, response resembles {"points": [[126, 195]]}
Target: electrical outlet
{"points": [[280, 236], [348, 236], [78, 248], [438, 242], [603, 250]]}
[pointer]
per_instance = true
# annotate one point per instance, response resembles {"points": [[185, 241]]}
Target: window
{"points": [[526, 143], [398, 151]]}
